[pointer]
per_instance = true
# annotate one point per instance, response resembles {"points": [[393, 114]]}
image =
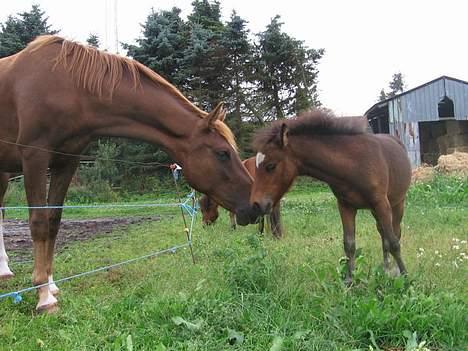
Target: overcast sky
{"points": [[366, 41]]}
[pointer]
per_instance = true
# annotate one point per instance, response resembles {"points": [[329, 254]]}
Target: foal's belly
{"points": [[351, 197]]}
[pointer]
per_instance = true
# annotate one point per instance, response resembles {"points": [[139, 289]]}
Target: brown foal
{"points": [[364, 171]]}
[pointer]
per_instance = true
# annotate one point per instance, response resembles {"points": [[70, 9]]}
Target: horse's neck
{"points": [[152, 114]]}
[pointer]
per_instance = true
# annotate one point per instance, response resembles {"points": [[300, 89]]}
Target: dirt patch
{"points": [[18, 240]]}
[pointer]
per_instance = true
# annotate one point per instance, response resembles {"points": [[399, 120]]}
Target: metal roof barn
{"points": [[431, 119]]}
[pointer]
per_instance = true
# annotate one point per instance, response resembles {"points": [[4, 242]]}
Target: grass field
{"points": [[251, 292]]}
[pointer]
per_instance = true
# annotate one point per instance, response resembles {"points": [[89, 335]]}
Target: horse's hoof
{"points": [[54, 290], [6, 276], [49, 309], [348, 282], [47, 302]]}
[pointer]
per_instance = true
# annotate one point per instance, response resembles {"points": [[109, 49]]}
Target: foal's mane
{"points": [[314, 122], [101, 72]]}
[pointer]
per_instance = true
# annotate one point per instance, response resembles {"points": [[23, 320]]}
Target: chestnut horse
{"points": [[57, 95], [210, 214], [364, 171]]}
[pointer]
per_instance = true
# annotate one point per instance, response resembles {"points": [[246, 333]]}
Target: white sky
{"points": [[366, 41]]}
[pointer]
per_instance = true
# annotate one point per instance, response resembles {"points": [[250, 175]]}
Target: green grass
{"points": [[249, 292]]}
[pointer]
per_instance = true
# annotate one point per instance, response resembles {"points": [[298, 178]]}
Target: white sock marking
{"points": [[4, 269]]}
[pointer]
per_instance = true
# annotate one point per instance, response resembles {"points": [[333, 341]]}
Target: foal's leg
{"points": [[5, 272], [348, 220], [261, 224], [35, 165], [275, 222], [59, 183], [232, 218], [384, 217]]}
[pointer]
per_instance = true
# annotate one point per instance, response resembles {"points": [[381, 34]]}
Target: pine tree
{"points": [[382, 95], [93, 40], [17, 32], [204, 59], [237, 73], [286, 72], [396, 85], [162, 46]]}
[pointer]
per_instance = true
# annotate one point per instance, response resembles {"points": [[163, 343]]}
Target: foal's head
{"points": [[209, 210], [275, 168]]}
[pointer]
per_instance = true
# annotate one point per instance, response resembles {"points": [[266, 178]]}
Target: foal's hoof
{"points": [[348, 282], [393, 272]]}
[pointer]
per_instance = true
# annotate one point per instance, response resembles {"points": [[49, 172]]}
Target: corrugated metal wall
{"points": [[422, 105]]}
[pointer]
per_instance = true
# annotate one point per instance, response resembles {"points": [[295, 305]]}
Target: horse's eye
{"points": [[270, 167], [223, 155]]}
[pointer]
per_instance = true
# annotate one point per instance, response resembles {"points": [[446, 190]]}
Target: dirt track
{"points": [[18, 241]]}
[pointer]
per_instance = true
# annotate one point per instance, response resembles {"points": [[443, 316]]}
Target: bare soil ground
{"points": [[18, 242]]}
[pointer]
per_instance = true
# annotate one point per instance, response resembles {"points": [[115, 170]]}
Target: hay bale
{"points": [[456, 163], [423, 174]]}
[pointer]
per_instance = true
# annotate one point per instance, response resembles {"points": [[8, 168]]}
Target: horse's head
{"points": [[275, 168], [209, 210], [214, 168]]}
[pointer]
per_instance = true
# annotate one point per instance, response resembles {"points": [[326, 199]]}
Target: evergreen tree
{"points": [[286, 72], [17, 32], [396, 85], [162, 46], [204, 59], [237, 73], [93, 40], [382, 95]]}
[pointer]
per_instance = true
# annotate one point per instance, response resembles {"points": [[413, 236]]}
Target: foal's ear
{"points": [[284, 135], [219, 113]]}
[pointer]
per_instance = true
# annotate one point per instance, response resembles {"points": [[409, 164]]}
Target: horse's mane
{"points": [[314, 122], [101, 72]]}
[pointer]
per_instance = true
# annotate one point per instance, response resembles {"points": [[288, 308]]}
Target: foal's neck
{"points": [[324, 157]]}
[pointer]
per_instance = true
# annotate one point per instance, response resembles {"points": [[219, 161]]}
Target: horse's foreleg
{"points": [[348, 220], [59, 183], [390, 240], [35, 179], [5, 272]]}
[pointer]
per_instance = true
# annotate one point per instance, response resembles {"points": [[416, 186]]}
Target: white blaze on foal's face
{"points": [[259, 159]]}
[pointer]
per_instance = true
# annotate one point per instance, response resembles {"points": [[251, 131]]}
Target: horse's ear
{"points": [[284, 135], [217, 113], [222, 115]]}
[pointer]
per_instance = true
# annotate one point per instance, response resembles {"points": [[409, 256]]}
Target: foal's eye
{"points": [[270, 167], [223, 155]]}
